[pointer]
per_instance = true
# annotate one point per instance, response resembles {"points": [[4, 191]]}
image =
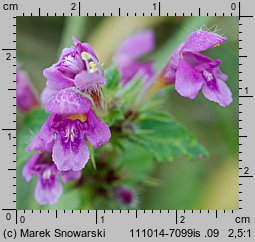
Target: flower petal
{"points": [[68, 101], [56, 79], [67, 157], [218, 73], [36, 144], [146, 71], [29, 169], [47, 94], [26, 95], [98, 132], [44, 140], [168, 73], [143, 70], [84, 80], [188, 81], [195, 59], [175, 57], [48, 194], [71, 175], [84, 47], [220, 93], [202, 40], [135, 46]]}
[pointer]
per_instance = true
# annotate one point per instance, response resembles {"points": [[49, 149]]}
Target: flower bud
{"points": [[124, 195]]}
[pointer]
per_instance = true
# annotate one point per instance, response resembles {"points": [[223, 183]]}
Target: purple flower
{"points": [[26, 97], [48, 188], [64, 133], [130, 51], [124, 195], [192, 71], [78, 67]]}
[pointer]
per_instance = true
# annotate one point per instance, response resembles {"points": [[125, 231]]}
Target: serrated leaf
{"points": [[137, 162], [166, 139]]}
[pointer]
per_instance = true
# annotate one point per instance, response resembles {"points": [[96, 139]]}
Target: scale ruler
{"points": [[128, 225]]}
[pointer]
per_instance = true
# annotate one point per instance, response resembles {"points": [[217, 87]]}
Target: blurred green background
{"points": [[205, 184]]}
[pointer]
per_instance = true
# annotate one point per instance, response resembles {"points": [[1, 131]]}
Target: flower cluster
{"points": [[74, 99], [72, 95], [187, 69]]}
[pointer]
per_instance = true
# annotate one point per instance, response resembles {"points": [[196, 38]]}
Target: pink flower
{"points": [[128, 55], [64, 133], [192, 71], [48, 188], [25, 94], [77, 67]]}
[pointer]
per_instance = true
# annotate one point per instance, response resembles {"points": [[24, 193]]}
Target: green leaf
{"points": [[166, 139], [112, 77], [32, 125], [137, 162], [114, 116]]}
